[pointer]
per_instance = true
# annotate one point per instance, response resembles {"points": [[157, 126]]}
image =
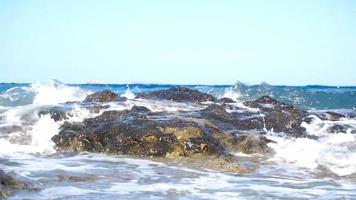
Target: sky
{"points": [[282, 42]]}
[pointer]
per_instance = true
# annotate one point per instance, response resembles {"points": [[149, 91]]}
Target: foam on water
{"points": [[128, 93], [44, 93], [56, 92], [232, 93], [335, 151], [28, 151]]}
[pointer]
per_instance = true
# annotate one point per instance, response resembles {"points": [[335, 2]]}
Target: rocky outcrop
{"points": [[210, 132], [137, 133], [102, 96], [278, 116], [179, 94]]}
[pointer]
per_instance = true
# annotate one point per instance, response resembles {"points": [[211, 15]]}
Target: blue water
{"points": [[300, 168], [307, 97]]}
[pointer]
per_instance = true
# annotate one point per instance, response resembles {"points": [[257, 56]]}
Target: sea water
{"points": [[300, 168]]}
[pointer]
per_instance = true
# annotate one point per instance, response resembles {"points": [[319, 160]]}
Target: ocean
{"points": [[320, 167]]}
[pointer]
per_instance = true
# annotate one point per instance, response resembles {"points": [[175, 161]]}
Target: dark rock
{"points": [[250, 144], [102, 96], [338, 128], [96, 108], [216, 112], [8, 184], [131, 133], [77, 178], [56, 113], [140, 109], [179, 94], [331, 116], [225, 100], [279, 117]]}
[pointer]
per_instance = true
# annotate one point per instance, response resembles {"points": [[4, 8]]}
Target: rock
{"points": [[279, 117], [140, 109], [8, 184], [77, 178], [330, 116], [56, 113], [101, 96], [133, 133], [225, 100], [179, 94], [250, 144], [339, 128]]}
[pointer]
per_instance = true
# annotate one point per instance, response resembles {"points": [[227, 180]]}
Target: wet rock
{"points": [[8, 184], [225, 100], [331, 116], [96, 108], [133, 133], [140, 109], [251, 144], [77, 178], [217, 115], [278, 116], [56, 113], [102, 96], [216, 112], [339, 128], [179, 94]]}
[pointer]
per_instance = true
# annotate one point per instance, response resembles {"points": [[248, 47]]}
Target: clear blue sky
{"points": [[185, 41]]}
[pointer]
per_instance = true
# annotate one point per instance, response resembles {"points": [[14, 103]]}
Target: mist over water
{"points": [[301, 168]]}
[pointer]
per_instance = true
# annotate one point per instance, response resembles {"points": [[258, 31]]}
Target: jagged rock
{"points": [[225, 100], [331, 116], [339, 128], [278, 116], [56, 113], [102, 96], [133, 133], [250, 144], [179, 94], [218, 116]]}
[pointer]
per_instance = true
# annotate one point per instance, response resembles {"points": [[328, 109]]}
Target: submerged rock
{"points": [[340, 128], [8, 184], [250, 144], [331, 116], [180, 94], [56, 113], [102, 96]]}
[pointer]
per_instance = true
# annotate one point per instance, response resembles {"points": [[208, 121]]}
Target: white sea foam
{"points": [[128, 93], [232, 93], [55, 92], [39, 136], [335, 151]]}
